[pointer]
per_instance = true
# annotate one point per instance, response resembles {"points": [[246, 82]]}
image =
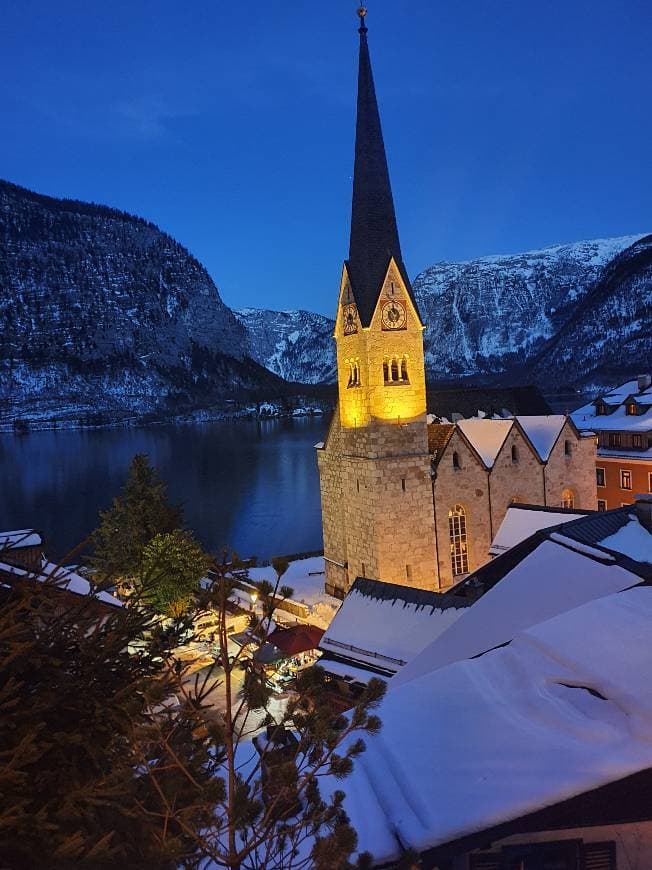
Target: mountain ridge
{"points": [[103, 314]]}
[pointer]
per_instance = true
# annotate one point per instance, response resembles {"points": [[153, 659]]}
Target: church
{"points": [[392, 509]]}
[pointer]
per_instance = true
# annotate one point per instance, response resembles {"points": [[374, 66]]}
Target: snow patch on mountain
{"points": [[297, 345], [488, 314]]}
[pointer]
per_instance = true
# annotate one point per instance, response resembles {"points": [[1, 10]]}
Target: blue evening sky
{"points": [[509, 125]]}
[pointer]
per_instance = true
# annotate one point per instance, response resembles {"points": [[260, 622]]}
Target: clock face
{"points": [[350, 319], [394, 315]]}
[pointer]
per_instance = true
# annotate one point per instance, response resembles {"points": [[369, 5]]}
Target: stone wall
{"points": [[467, 486], [574, 471]]}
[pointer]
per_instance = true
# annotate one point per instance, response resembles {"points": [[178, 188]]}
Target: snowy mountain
{"points": [[297, 345], [102, 316], [609, 332], [489, 315], [102, 313]]}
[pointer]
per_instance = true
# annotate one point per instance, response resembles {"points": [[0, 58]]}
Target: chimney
{"points": [[644, 382], [643, 510]]}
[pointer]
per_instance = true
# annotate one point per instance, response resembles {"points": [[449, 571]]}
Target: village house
{"points": [[22, 558], [406, 499], [622, 422]]}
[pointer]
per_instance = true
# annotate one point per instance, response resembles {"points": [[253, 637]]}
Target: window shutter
{"points": [[486, 862], [599, 856]]}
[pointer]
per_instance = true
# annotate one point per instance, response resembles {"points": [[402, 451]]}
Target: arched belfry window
{"points": [[395, 370], [457, 530], [514, 453], [354, 372], [456, 459]]}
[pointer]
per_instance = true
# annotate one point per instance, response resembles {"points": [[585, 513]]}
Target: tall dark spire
{"points": [[374, 233]]}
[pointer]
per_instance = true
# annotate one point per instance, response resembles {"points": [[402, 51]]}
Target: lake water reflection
{"points": [[251, 485]]}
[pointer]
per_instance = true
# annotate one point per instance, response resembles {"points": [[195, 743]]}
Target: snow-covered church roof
{"points": [[523, 520]]}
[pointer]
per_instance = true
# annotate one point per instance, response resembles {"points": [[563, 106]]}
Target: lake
{"points": [[251, 485]]}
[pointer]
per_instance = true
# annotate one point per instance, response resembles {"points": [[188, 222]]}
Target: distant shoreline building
{"points": [[405, 499]]}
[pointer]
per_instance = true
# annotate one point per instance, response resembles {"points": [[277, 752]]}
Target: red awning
{"points": [[295, 640]]}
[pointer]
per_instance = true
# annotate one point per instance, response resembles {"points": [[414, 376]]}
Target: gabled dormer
{"points": [[602, 408]]}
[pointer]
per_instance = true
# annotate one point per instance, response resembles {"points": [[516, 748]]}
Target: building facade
{"points": [[393, 506], [622, 422]]}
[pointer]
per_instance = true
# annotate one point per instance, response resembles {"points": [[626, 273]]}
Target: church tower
{"points": [[376, 491]]}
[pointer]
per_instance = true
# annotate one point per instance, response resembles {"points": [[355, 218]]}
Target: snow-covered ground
{"points": [[306, 577]]}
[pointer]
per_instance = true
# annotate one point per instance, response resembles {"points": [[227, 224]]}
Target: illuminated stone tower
{"points": [[374, 467]]}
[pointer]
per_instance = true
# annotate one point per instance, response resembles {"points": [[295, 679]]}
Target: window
{"points": [[600, 410], [614, 439], [567, 448], [600, 477], [637, 441], [403, 484], [625, 479], [364, 570], [514, 453], [562, 855], [567, 499], [357, 484], [602, 505], [456, 459], [632, 409], [408, 572], [395, 370], [354, 372], [649, 481], [458, 540]]}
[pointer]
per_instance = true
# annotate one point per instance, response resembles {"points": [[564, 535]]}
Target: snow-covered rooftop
{"points": [[522, 521], [485, 436], [20, 538], [587, 417], [64, 578], [632, 540], [565, 708], [555, 576], [543, 432], [384, 625]]}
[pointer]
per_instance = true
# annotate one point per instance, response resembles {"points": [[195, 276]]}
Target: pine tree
{"points": [[88, 758], [170, 569], [136, 516], [110, 756]]}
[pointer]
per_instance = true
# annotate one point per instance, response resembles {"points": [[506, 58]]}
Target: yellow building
{"points": [[378, 471]]}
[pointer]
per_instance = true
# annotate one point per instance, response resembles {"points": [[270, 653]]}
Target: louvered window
{"points": [[569, 855], [486, 862], [599, 856]]}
